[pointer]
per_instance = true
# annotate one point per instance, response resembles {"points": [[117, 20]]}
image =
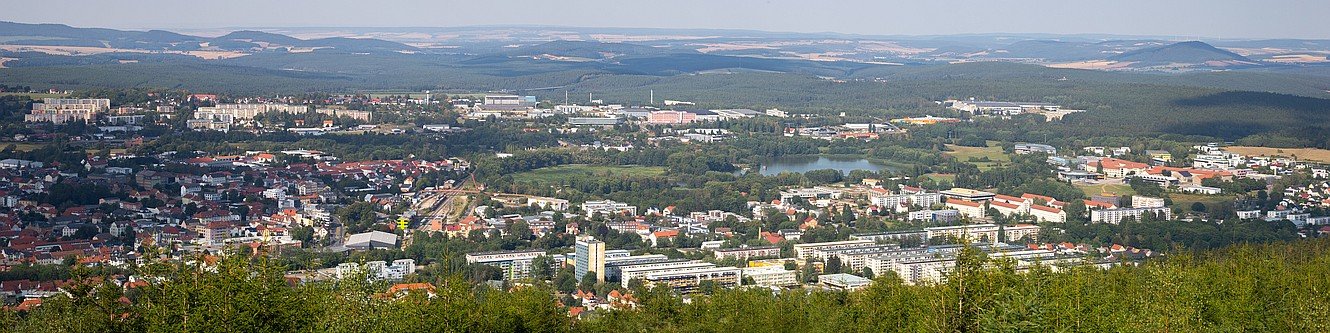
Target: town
{"points": [[101, 186]]}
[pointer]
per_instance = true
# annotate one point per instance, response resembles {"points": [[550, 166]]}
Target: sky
{"points": [[1183, 18]]}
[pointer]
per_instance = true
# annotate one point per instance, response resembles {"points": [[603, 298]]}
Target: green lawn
{"points": [[1114, 189], [555, 173], [994, 154]]}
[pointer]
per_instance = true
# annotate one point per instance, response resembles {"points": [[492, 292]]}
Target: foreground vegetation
{"points": [[1277, 287]]}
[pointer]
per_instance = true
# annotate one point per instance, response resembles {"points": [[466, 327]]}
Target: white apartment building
{"points": [[744, 253], [818, 196], [1116, 215], [806, 251], [608, 207], [380, 270], [61, 110], [515, 264], [1140, 201], [1048, 214], [771, 276], [982, 232], [235, 112]]}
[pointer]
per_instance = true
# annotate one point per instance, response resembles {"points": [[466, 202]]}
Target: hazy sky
{"points": [[1206, 18]]}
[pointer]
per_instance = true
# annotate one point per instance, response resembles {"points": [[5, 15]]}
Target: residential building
{"points": [[1140, 201], [1116, 215], [967, 208], [806, 251], [379, 270], [608, 207], [818, 196], [687, 281], [890, 236], [744, 253], [640, 271], [60, 110], [1048, 214], [984, 233], [940, 216], [771, 276], [590, 258], [515, 264]]}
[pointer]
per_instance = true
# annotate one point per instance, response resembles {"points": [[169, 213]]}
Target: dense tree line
{"points": [[1274, 287]]}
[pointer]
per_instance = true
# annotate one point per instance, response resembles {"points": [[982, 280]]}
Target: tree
{"points": [[588, 281], [542, 268], [1198, 207], [707, 287], [833, 265], [564, 281]]}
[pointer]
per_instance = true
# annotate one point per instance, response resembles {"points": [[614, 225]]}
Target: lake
{"points": [[801, 164]]}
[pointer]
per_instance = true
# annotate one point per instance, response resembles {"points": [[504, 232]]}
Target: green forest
{"points": [[1278, 287]]}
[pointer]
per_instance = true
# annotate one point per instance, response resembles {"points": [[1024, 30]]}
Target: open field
{"points": [[1307, 154], [555, 173], [1099, 189], [993, 153]]}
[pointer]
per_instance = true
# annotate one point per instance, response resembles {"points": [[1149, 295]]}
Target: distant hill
{"points": [[260, 37], [1051, 50], [1190, 53], [590, 50], [56, 35]]}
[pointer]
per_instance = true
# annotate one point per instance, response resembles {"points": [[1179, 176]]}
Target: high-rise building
{"points": [[590, 258]]}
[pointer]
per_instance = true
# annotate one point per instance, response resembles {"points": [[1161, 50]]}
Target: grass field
{"points": [[1307, 154], [948, 177], [1114, 189], [21, 146], [552, 174], [993, 153], [1185, 200]]}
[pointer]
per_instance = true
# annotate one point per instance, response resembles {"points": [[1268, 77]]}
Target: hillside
{"points": [[1191, 53]]}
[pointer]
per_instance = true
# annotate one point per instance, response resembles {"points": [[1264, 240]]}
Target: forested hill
{"points": [[1246, 288]]}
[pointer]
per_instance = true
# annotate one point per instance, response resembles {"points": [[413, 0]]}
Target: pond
{"points": [[801, 164]]}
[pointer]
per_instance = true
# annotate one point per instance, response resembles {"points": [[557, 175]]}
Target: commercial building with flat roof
{"points": [[844, 281], [967, 194]]}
